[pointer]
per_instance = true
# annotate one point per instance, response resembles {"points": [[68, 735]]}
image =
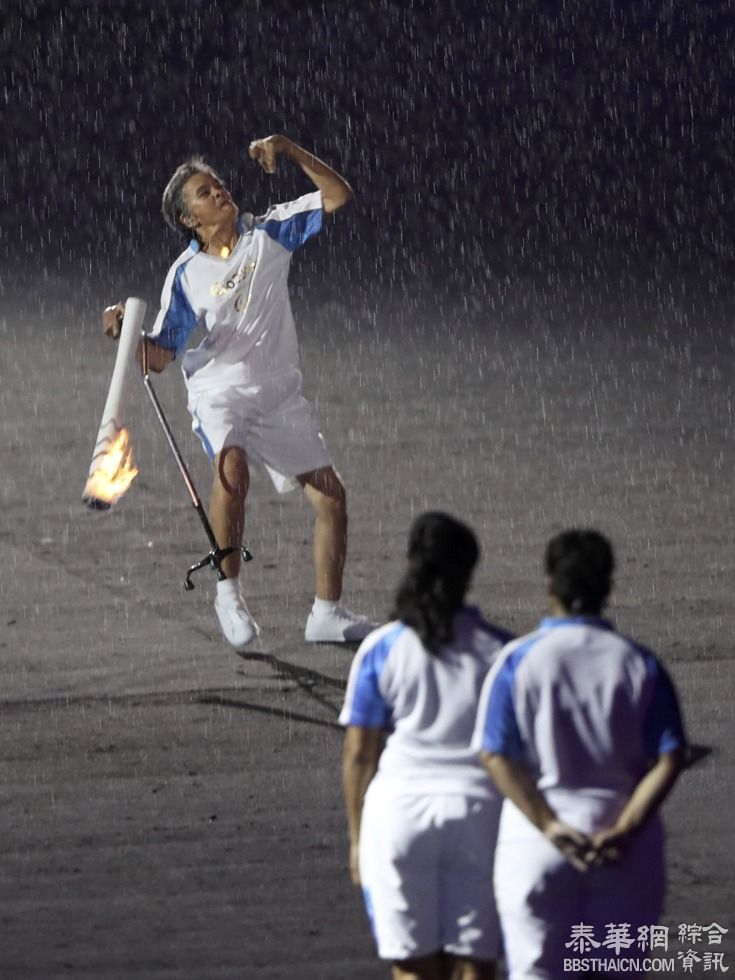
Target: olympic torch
{"points": [[112, 470]]}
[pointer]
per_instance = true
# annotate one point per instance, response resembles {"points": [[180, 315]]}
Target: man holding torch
{"points": [[243, 380]]}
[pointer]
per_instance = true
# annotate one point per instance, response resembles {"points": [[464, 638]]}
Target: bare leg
{"points": [[444, 966], [420, 968], [227, 504], [327, 496], [464, 968]]}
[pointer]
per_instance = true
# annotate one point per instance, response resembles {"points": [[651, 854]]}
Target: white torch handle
{"points": [[112, 417]]}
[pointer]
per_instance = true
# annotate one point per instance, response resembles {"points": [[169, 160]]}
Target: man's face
{"points": [[208, 202]]}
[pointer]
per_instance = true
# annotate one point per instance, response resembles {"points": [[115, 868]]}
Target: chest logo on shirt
{"points": [[243, 273]]}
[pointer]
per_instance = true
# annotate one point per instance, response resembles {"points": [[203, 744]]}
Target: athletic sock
{"points": [[228, 587], [322, 607]]}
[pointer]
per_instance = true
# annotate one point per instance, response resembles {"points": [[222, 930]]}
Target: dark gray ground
{"points": [[168, 810]]}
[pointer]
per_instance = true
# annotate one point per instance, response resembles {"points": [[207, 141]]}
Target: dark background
{"points": [[524, 318], [484, 140]]}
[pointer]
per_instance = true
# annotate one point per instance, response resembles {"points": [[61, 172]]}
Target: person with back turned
{"points": [[581, 730], [422, 814]]}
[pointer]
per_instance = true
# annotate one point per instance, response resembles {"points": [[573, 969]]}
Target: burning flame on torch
{"points": [[113, 474]]}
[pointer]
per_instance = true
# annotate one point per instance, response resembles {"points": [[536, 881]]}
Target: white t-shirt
{"points": [[585, 709], [427, 702], [241, 301]]}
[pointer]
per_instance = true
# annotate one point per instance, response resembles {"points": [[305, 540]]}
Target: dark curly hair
{"points": [[442, 553], [580, 566]]}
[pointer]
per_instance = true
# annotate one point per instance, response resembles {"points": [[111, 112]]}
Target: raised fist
{"points": [[265, 152]]}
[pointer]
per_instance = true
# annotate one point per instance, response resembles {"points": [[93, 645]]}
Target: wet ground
{"points": [[169, 810]]}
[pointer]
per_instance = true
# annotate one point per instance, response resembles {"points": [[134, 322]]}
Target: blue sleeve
{"points": [[366, 707], [500, 732], [179, 320], [663, 728], [292, 230]]}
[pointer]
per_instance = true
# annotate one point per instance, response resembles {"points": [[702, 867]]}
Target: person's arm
{"points": [[515, 783], [336, 192], [645, 799], [158, 357], [665, 740], [362, 748]]}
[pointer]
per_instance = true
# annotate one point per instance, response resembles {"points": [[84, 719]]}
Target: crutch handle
{"points": [[214, 559]]}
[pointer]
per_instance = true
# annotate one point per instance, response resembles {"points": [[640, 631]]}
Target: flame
{"points": [[114, 473]]}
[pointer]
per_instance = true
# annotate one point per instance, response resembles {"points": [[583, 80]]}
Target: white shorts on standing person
{"points": [[422, 813], [243, 378], [581, 730]]}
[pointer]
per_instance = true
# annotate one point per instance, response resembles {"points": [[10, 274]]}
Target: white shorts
{"points": [[426, 871], [541, 897], [272, 422]]}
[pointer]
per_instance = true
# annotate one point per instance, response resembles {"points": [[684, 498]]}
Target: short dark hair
{"points": [[442, 553], [580, 566], [173, 204]]}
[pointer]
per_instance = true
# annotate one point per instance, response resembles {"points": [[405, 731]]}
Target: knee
{"points": [[231, 473]]}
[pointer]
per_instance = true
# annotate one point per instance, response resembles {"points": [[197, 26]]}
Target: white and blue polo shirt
{"points": [[241, 301], [586, 709], [427, 703]]}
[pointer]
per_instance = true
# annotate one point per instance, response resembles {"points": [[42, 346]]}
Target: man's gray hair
{"points": [[173, 204]]}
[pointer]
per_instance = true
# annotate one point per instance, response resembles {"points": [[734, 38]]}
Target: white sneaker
{"points": [[237, 624], [338, 625]]}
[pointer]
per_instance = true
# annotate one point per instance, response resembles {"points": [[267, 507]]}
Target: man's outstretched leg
{"points": [[329, 621], [227, 517]]}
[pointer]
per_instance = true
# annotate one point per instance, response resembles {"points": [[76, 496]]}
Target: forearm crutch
{"points": [[216, 556]]}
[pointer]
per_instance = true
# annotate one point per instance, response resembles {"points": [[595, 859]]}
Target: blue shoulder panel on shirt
{"points": [[294, 231], [369, 709], [663, 728], [500, 731], [180, 318]]}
